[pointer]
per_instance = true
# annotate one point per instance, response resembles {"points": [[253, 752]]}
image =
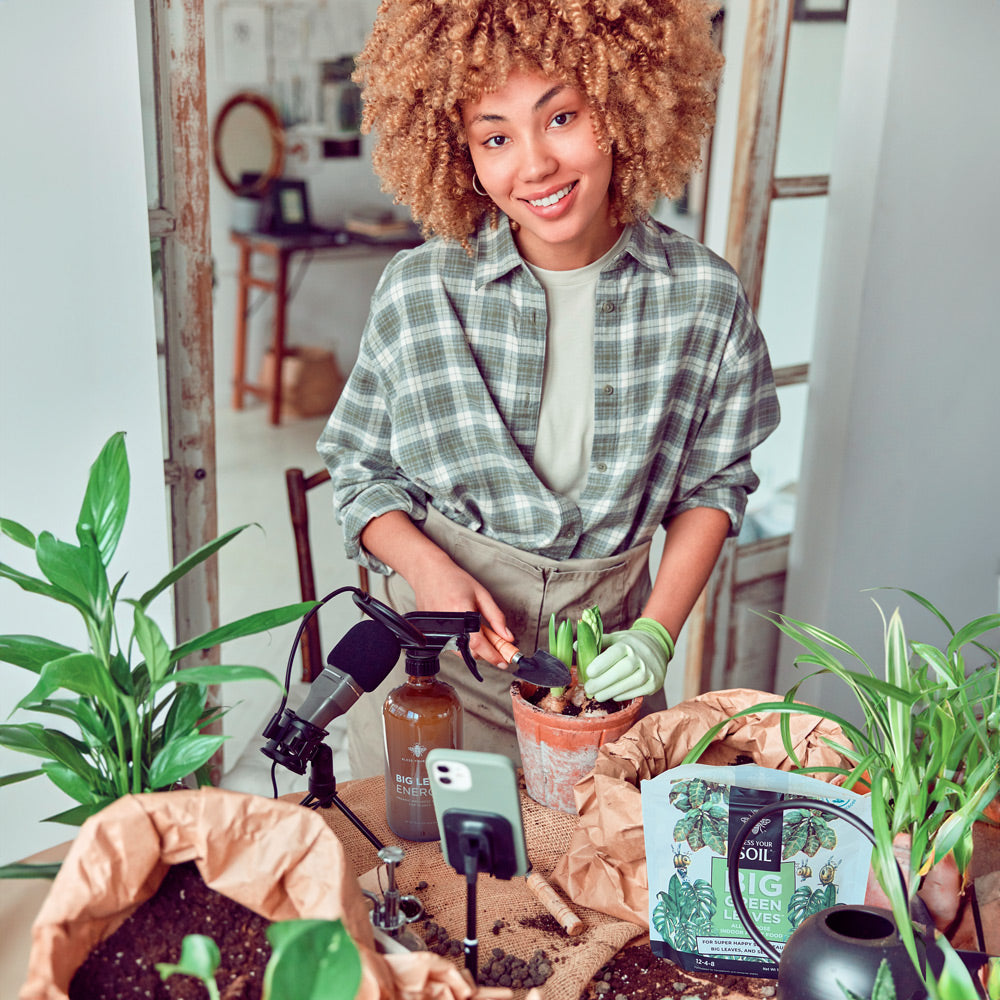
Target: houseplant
{"points": [[928, 747], [314, 959], [559, 730], [137, 720]]}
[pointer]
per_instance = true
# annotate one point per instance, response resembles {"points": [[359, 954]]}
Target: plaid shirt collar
{"points": [[496, 254]]}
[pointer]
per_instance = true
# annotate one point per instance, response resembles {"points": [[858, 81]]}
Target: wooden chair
{"points": [[299, 485]]}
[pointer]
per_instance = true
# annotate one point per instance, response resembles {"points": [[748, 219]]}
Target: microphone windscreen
{"points": [[368, 652]]}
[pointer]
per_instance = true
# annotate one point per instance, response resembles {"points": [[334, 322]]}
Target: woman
{"points": [[552, 374]]}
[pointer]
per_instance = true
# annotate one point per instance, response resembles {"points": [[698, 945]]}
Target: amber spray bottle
{"points": [[421, 715]]}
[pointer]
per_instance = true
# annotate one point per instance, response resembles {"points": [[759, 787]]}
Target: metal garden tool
{"points": [[541, 668]]}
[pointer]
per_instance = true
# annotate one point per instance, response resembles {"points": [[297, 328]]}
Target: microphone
{"points": [[358, 664]]}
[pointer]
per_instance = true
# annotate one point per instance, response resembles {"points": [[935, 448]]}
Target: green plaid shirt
{"points": [[442, 404]]}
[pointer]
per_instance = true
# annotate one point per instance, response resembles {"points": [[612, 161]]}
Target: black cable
{"points": [[298, 636], [736, 891]]}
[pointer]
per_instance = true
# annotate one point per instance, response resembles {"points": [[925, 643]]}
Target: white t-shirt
{"points": [[566, 416]]}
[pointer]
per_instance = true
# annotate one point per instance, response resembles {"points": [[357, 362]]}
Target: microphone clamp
{"points": [[292, 741]]}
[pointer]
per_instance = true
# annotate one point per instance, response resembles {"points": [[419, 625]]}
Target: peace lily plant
{"points": [[137, 721], [928, 748]]}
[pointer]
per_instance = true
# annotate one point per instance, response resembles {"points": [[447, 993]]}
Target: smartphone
{"points": [[475, 796]]}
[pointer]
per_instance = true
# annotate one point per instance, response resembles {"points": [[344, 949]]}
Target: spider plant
{"points": [[928, 747]]}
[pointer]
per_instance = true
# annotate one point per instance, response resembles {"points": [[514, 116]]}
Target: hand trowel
{"points": [[541, 668]]}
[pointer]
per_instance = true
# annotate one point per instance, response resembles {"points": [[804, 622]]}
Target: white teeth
{"points": [[552, 198]]}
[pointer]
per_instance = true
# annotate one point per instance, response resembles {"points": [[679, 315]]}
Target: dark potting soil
{"points": [[635, 973], [124, 964], [589, 706]]}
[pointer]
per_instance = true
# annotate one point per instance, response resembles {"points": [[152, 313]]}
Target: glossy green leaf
{"points": [[80, 711], [221, 674], [955, 981], [82, 673], [186, 565], [72, 783], [75, 569], [200, 958], [35, 585], [25, 871], [185, 710], [152, 645], [31, 651], [180, 757], [105, 502], [564, 642], [311, 960], [51, 744], [79, 815], [250, 625], [13, 779], [17, 532], [586, 649]]}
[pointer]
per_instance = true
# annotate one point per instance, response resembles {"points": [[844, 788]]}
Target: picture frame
{"points": [[289, 207], [820, 10]]}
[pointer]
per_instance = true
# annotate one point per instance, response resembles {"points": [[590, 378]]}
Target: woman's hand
{"points": [[438, 582], [444, 586]]}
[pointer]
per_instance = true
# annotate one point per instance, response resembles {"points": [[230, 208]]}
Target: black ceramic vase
{"points": [[841, 949]]}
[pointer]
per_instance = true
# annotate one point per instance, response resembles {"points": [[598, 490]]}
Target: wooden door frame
{"points": [[181, 222]]}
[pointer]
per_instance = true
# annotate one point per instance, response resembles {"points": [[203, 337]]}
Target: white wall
{"points": [[901, 472], [76, 334]]}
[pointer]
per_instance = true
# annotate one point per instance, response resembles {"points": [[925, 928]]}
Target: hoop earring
{"points": [[478, 187]]}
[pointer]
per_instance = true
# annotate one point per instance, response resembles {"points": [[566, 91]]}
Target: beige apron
{"points": [[528, 588]]}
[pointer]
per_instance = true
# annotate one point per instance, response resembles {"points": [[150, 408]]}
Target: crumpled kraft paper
{"points": [[275, 857], [605, 865]]}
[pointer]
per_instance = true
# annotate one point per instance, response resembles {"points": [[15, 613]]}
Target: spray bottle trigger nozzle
{"points": [[470, 662]]}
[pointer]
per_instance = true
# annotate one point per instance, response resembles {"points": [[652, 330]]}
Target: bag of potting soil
{"points": [[793, 863]]}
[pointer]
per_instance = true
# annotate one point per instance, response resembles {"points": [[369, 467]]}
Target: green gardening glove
{"points": [[632, 662]]}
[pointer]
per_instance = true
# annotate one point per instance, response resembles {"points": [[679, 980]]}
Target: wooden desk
{"points": [[281, 248]]}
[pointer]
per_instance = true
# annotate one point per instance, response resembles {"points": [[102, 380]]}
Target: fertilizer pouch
{"points": [[604, 867], [792, 864]]}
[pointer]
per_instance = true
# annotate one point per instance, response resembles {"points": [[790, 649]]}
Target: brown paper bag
{"points": [[605, 866], [278, 859]]}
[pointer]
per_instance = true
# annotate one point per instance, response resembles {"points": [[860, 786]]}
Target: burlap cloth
{"points": [[547, 834]]}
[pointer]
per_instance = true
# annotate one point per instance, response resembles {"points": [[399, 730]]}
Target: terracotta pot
{"points": [[941, 889], [557, 751]]}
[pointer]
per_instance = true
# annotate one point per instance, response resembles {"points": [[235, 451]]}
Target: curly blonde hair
{"points": [[648, 69]]}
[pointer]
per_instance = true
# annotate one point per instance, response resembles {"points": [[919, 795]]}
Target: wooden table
{"points": [[280, 249]]}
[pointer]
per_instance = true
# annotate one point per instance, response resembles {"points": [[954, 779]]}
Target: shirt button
{"points": [[608, 307], [601, 467], [608, 390]]}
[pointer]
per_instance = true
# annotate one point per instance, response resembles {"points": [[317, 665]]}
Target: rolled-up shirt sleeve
{"points": [[741, 412], [354, 448]]}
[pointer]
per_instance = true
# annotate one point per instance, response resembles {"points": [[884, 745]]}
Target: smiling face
{"points": [[536, 155]]}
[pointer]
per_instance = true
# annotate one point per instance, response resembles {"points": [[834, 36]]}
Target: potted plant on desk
{"points": [[559, 730], [928, 750], [137, 720]]}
